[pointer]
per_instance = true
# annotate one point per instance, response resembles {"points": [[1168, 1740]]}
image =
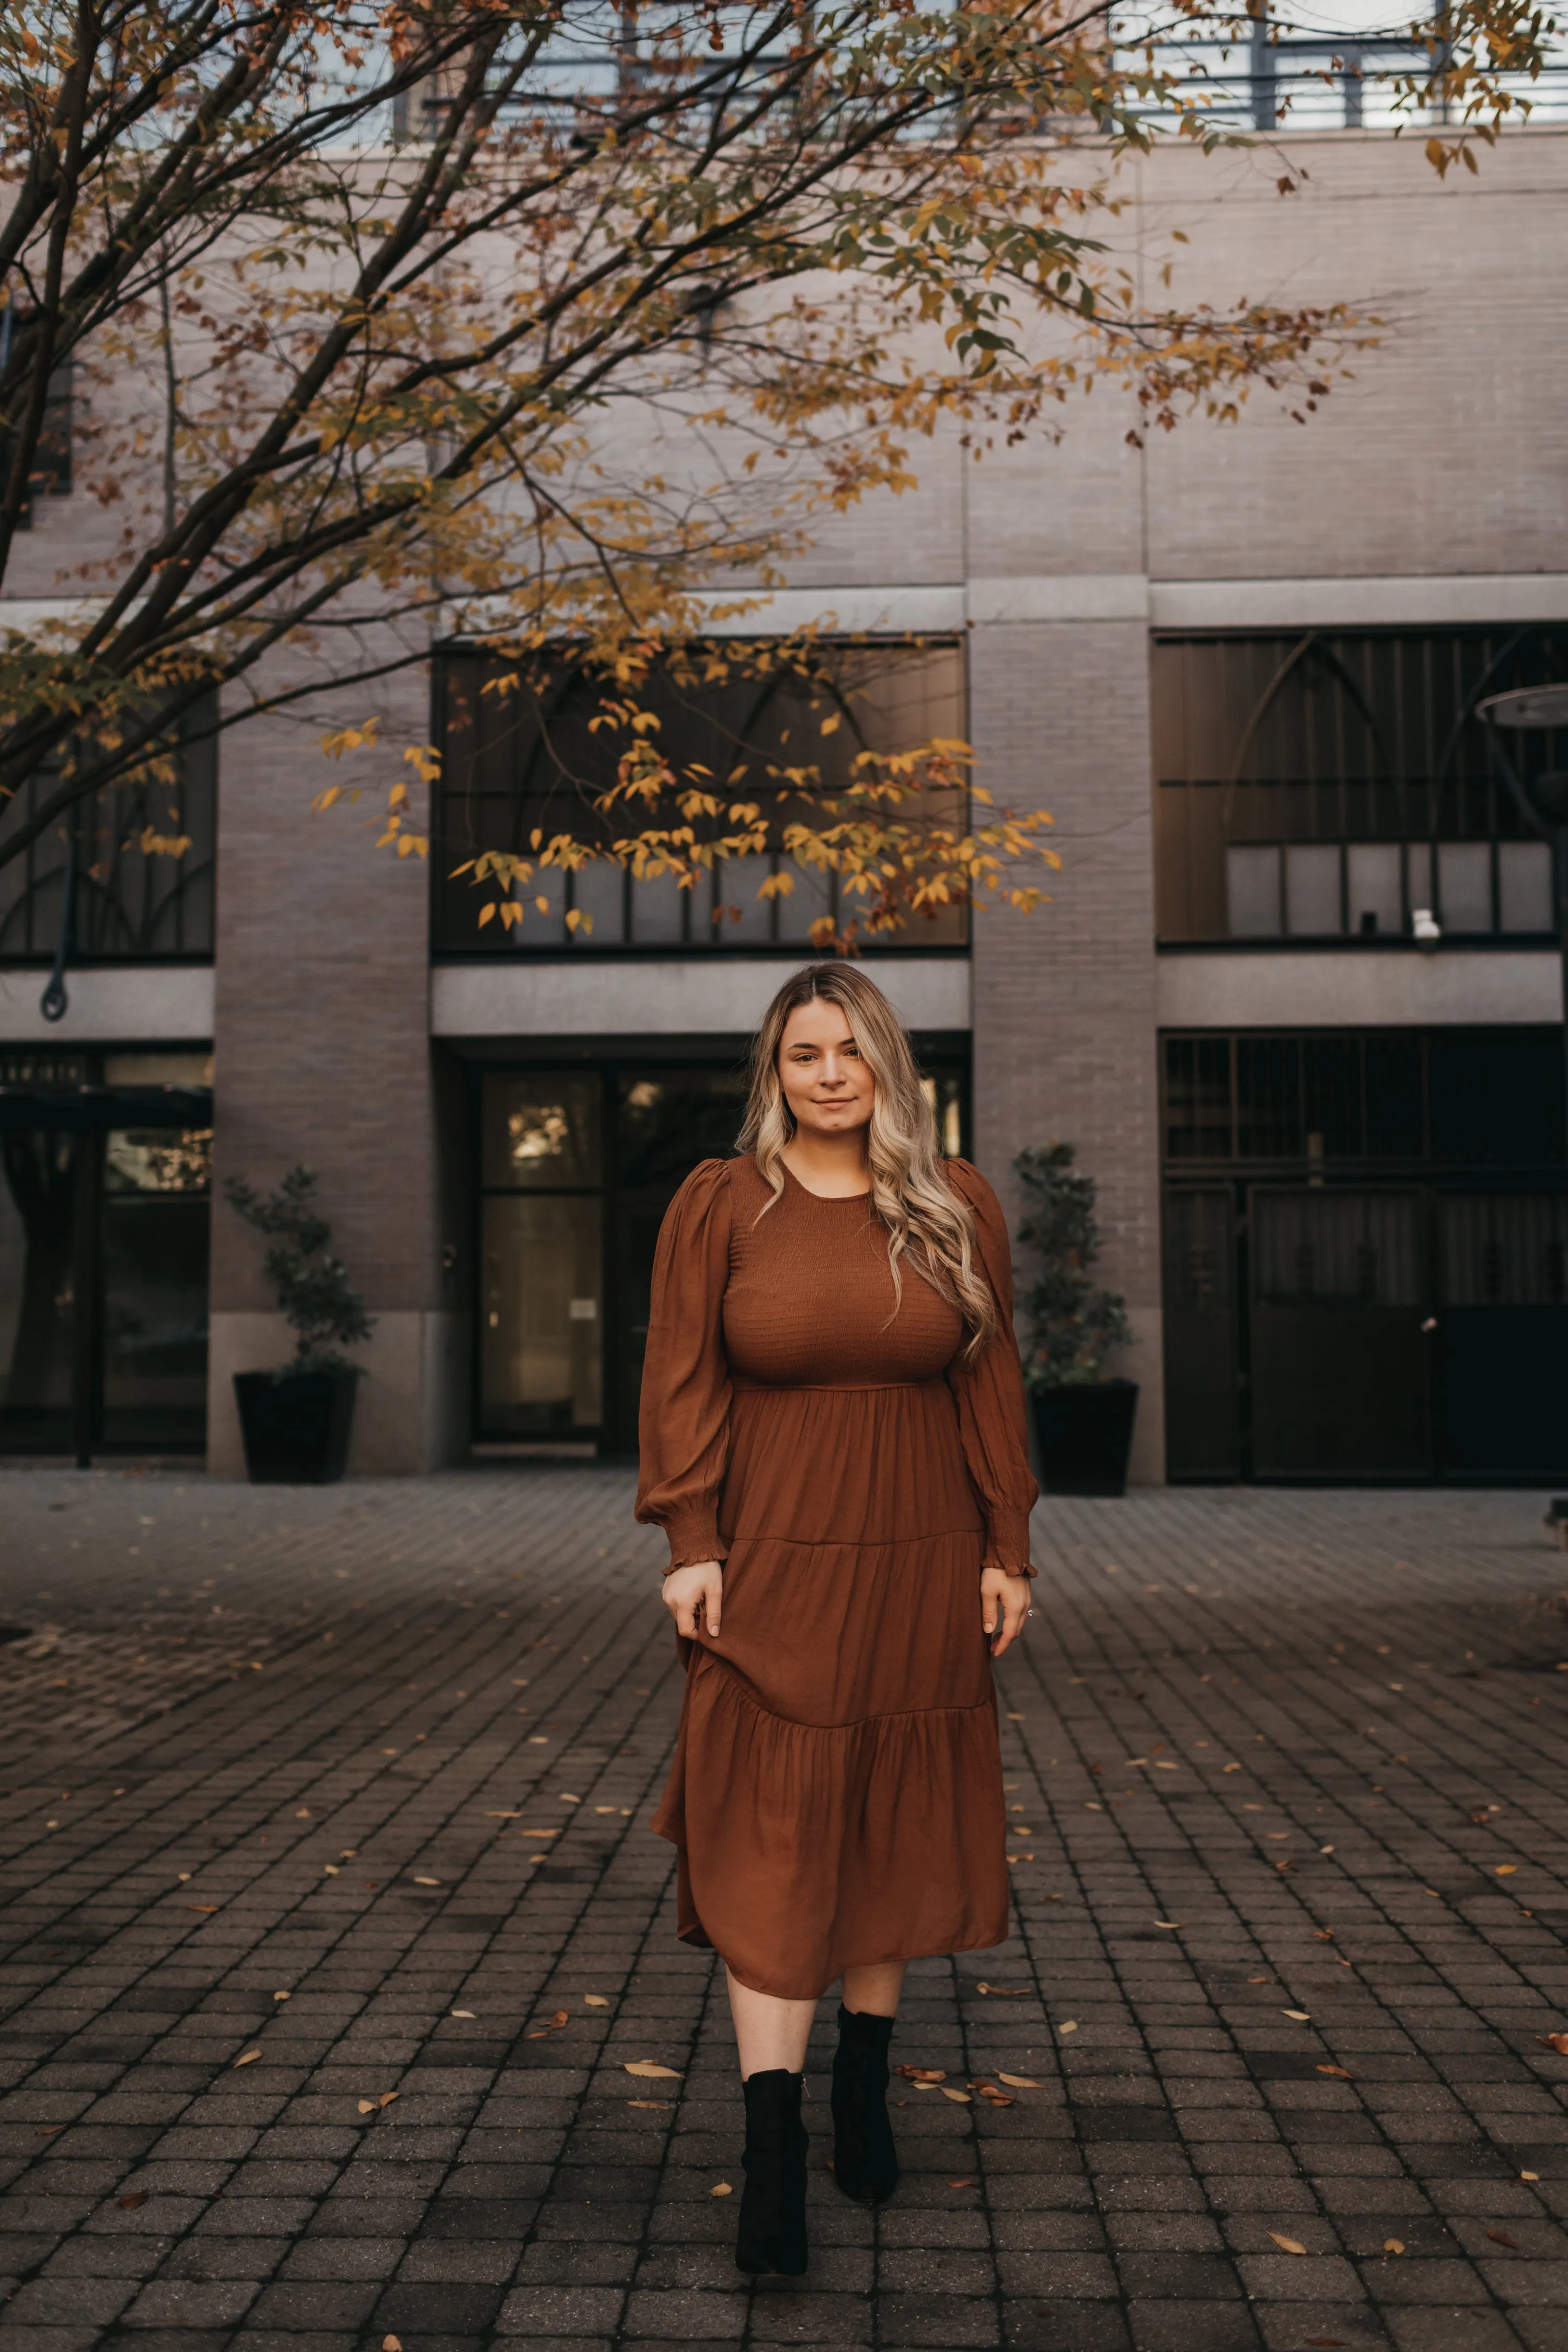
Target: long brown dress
{"points": [[837, 1793]]}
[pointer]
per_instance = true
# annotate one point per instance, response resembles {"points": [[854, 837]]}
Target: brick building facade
{"points": [[1403, 546]]}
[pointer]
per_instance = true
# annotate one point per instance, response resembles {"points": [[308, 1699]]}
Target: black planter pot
{"points": [[1084, 1437], [296, 1430]]}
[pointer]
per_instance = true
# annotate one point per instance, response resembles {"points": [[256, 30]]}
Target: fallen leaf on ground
{"points": [[462, 2013], [1170, 1923], [1393, 2245], [281, 1996], [610, 1808], [513, 1816], [1323, 1935], [561, 2017], [720, 2188], [1070, 2026], [1501, 2238], [427, 1882], [1019, 2082], [46, 2131], [388, 2097], [1504, 1869], [367, 2107], [200, 1907], [648, 2103], [250, 2058], [540, 1833], [1257, 1979], [962, 2184], [648, 2067], [1162, 1764], [130, 2204], [392, 2344], [1302, 2016], [1287, 2245], [1009, 1992], [597, 1999], [1230, 1768], [962, 2098], [1344, 2074], [1558, 2042], [924, 2076]]}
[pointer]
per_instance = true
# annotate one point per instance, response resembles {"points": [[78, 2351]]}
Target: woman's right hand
{"points": [[695, 1596]]}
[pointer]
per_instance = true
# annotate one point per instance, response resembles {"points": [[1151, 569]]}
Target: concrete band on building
{"points": [[1239, 665]]}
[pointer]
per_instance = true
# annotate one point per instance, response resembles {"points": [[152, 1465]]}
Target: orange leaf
{"points": [[1558, 2042], [921, 2073], [130, 2204], [1340, 2071], [1287, 2245], [1501, 2238]]}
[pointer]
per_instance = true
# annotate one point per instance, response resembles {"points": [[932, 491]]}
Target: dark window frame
{"points": [[1276, 740], [454, 937]]}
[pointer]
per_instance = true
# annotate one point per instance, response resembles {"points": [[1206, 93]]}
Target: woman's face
{"points": [[825, 1084]]}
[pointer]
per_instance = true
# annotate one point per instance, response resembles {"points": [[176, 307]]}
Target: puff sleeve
{"points": [[992, 1414], [683, 1423]]}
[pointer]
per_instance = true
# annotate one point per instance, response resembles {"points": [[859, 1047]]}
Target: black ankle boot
{"points": [[772, 2207], [865, 2163]]}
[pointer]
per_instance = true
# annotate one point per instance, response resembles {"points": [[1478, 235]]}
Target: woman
{"points": [[833, 1438]]}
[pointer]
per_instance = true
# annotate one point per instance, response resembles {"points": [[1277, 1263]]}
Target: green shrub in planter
{"points": [[296, 1421], [1083, 1418]]}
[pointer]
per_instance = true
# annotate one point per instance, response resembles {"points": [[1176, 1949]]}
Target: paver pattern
{"points": [[332, 1922]]}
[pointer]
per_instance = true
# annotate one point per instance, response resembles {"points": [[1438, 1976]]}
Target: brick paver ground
{"points": [[332, 1921]]}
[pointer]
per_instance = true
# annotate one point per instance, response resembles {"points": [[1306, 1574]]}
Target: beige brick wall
{"points": [[1064, 998], [323, 1056]]}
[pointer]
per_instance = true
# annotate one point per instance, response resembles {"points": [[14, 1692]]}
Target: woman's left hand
{"points": [[1003, 1605]]}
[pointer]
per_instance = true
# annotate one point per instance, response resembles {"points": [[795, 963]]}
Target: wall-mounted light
{"points": [[1426, 930]]}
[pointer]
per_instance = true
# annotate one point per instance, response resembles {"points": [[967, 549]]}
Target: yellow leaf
{"points": [[1070, 2026], [720, 2188], [392, 2344], [1302, 2016], [1393, 2245], [427, 1882], [597, 1999], [367, 2107], [1506, 1869], [462, 2013], [250, 2058], [648, 2067], [961, 2097], [1287, 2245], [1017, 2082]]}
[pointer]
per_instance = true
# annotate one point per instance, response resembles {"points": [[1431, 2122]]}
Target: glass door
{"points": [[541, 1352], [39, 1217]]}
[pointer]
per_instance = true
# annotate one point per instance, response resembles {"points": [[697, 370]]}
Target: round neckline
{"points": [[829, 1199]]}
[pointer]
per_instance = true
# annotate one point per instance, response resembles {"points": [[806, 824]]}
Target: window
{"points": [[520, 754], [1480, 1097], [1330, 784], [124, 904]]}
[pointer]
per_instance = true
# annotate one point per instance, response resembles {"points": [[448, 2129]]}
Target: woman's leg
{"points": [[771, 2032], [874, 1991], [772, 2036], [865, 2161]]}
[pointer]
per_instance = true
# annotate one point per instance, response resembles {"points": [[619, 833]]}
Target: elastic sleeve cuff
{"points": [[1007, 1542], [693, 1537]]}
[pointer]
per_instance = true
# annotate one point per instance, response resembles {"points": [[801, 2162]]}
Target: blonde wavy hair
{"points": [[926, 1221]]}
